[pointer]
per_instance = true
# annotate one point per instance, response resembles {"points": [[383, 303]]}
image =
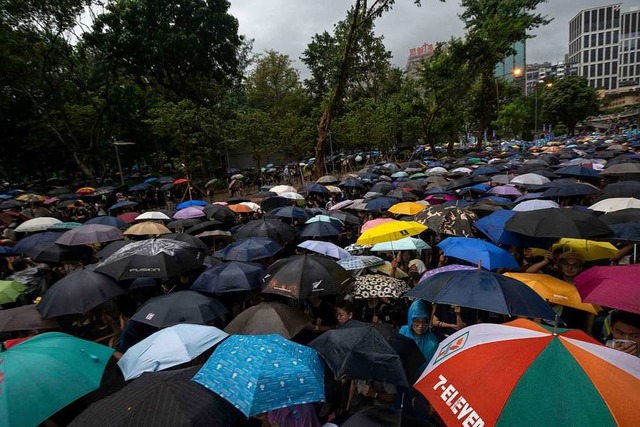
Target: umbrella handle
{"points": [[401, 410]]}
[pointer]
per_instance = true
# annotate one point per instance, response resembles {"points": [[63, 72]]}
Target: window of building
{"points": [[614, 68], [585, 70], [587, 22], [609, 22], [607, 37], [600, 39], [601, 19], [616, 20], [593, 55], [599, 69], [614, 52], [623, 71], [614, 82], [605, 83], [607, 53], [592, 70], [626, 21], [594, 39], [600, 54], [607, 68], [586, 41], [634, 24], [615, 37], [599, 83]]}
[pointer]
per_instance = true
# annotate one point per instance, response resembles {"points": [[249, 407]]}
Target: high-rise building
{"points": [[418, 56], [513, 68], [540, 73], [604, 42]]}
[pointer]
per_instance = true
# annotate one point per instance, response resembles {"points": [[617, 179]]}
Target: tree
{"points": [[513, 118], [492, 29], [569, 100]]}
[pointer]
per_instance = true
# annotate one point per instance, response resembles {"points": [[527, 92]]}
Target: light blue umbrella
{"points": [[325, 248], [406, 244], [169, 347], [325, 218], [190, 203], [260, 373]]}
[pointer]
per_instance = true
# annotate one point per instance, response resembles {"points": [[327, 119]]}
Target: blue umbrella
{"points": [[108, 220], [315, 188], [166, 179], [485, 170], [169, 347], [229, 277], [319, 229], [150, 180], [483, 290], [380, 203], [121, 205], [577, 171], [249, 249], [260, 373], [293, 212], [140, 187], [478, 251], [25, 244], [325, 248], [325, 218], [189, 203], [7, 251]]}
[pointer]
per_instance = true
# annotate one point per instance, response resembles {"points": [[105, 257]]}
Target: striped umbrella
{"points": [[522, 373]]}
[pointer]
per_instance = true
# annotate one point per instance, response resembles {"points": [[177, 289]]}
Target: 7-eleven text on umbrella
{"points": [[458, 404]]}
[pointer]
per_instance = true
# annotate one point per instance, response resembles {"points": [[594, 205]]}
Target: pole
{"points": [[119, 165], [535, 115]]}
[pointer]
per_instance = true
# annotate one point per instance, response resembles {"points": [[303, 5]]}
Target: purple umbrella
{"points": [[188, 213], [90, 234], [505, 190], [452, 267]]}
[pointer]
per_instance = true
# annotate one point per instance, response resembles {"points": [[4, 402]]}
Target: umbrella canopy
{"points": [[221, 214], [78, 292], [10, 291], [179, 307], [271, 228], [505, 190], [111, 248], [578, 171], [153, 216], [325, 218], [554, 290], [535, 205], [479, 252], [37, 224], [390, 231], [589, 250], [407, 208], [53, 252], [380, 204], [448, 220], [360, 352], [268, 372], [269, 318], [571, 190], [292, 212], [158, 258], [24, 318], [557, 223], [378, 286], [530, 179], [325, 248], [89, 235], [168, 347], [615, 204], [613, 286], [450, 267], [229, 277], [359, 262], [47, 372], [250, 249], [147, 228], [374, 222], [189, 213], [107, 220], [160, 399], [200, 226], [278, 189], [190, 203], [120, 205], [187, 238], [406, 244], [320, 229], [26, 243], [303, 276], [483, 290], [128, 217], [492, 375]]}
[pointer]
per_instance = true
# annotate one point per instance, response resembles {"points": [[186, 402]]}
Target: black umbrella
{"points": [[221, 214], [623, 216], [231, 276], [112, 248], [161, 399], [570, 190], [271, 228], [89, 235], [187, 238], [269, 318], [26, 243], [291, 212], [382, 187], [402, 195], [345, 217], [621, 189], [78, 292], [158, 258], [360, 353], [179, 307], [25, 318], [183, 223], [303, 276], [53, 252], [557, 223], [379, 416], [319, 229], [352, 183], [205, 226], [249, 249]]}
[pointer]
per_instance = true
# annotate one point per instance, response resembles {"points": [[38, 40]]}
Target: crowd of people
{"points": [[425, 323]]}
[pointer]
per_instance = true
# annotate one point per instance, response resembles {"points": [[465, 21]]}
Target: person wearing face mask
{"points": [[416, 270]]}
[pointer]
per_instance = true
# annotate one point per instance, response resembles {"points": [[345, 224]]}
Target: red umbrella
{"points": [[128, 217], [615, 287], [180, 181]]}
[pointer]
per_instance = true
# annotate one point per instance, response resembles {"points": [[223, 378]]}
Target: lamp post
{"points": [[535, 114], [116, 144]]}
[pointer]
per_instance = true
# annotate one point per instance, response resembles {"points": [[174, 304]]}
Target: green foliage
{"points": [[512, 119], [570, 100]]}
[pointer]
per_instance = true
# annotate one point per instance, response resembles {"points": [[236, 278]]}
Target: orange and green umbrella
{"points": [[521, 373]]}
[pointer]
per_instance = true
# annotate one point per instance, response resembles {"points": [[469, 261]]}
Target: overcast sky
{"points": [[287, 26]]}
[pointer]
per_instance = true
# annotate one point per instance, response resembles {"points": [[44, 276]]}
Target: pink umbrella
{"points": [[340, 205], [438, 199], [188, 213], [375, 222], [505, 190], [129, 217], [615, 287]]}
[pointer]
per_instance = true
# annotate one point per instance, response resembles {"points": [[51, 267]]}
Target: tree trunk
{"points": [[336, 96]]}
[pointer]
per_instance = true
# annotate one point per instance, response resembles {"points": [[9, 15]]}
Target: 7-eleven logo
{"points": [[452, 347]]}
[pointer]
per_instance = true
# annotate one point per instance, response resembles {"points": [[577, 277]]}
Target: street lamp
{"points": [[535, 114], [116, 144]]}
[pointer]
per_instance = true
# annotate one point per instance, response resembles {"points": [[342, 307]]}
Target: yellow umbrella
{"points": [[30, 198], [554, 290], [333, 188], [406, 208], [589, 250], [147, 228], [390, 231]]}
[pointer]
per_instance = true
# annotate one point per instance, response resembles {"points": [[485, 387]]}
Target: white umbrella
{"points": [[291, 195], [169, 347], [152, 215], [279, 189], [534, 205], [325, 248], [615, 204], [530, 179], [254, 206], [37, 224], [436, 171], [461, 170]]}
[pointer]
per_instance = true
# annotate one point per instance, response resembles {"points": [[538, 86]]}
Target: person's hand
{"points": [[548, 256], [368, 391], [628, 347], [394, 263]]}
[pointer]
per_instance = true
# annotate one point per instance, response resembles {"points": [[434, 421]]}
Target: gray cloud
{"points": [[288, 25]]}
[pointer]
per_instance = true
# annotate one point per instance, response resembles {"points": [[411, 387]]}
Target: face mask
{"points": [[414, 275]]}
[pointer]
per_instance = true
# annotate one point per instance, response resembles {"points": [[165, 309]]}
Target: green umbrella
{"points": [[45, 373], [10, 291]]}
